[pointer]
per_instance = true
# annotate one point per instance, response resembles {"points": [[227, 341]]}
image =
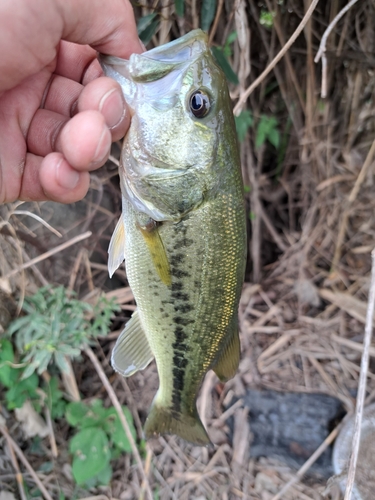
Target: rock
{"points": [[291, 426]]}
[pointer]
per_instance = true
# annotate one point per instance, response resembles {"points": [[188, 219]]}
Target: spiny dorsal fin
{"points": [[227, 364], [132, 351], [157, 251], [116, 249]]}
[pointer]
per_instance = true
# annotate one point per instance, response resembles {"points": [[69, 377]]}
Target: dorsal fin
{"points": [[116, 249], [132, 351], [227, 364]]}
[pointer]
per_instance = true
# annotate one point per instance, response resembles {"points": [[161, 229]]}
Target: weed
{"points": [[100, 438], [56, 326]]}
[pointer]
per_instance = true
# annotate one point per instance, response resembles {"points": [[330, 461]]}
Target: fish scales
{"points": [[184, 225]]}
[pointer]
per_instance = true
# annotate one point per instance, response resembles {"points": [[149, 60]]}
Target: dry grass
{"points": [[311, 232]]}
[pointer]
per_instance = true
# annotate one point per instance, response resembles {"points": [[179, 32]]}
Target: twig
{"points": [[276, 59], [16, 467], [216, 21], [25, 462], [322, 48], [352, 197], [116, 403], [147, 471], [306, 466], [45, 255], [70, 382], [362, 384], [39, 219]]}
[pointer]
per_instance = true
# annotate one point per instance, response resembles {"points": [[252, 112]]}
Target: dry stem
{"points": [[25, 462], [306, 466], [116, 403], [362, 384], [276, 59], [45, 255], [323, 43]]}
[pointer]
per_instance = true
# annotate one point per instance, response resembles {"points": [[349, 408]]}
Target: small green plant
{"points": [[17, 388], [222, 55], [100, 438], [267, 130], [266, 18], [57, 326]]}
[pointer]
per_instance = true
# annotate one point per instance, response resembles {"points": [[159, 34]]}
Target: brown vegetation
{"points": [[311, 228]]}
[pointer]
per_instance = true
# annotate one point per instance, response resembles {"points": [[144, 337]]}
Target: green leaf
{"points": [[147, 27], [224, 64], [274, 137], [267, 129], [62, 362], [179, 7], [91, 454], [8, 374], [145, 21], [266, 18], [228, 42], [243, 122], [261, 136], [22, 390], [76, 412], [104, 476], [115, 430], [207, 14]]}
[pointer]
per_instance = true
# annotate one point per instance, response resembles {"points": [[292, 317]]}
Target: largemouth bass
{"points": [[182, 230]]}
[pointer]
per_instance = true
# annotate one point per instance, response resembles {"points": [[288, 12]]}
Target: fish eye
{"points": [[199, 103]]}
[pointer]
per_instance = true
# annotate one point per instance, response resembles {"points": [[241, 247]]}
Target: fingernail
{"points": [[103, 146], [66, 176], [112, 107]]}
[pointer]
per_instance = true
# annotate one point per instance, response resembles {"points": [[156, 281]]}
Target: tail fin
{"points": [[163, 420]]}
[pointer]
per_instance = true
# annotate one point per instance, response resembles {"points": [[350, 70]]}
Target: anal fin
{"points": [[227, 364], [116, 249], [132, 351]]}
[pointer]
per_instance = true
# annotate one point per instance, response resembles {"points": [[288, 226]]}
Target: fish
{"points": [[182, 230]]}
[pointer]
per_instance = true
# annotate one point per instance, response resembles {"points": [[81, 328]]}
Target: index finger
{"points": [[109, 27]]}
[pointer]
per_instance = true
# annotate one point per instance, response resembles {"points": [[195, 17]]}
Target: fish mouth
{"points": [[159, 61], [183, 49]]}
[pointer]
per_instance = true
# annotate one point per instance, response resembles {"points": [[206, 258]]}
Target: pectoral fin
{"points": [[227, 364], [116, 249], [159, 257], [132, 351]]}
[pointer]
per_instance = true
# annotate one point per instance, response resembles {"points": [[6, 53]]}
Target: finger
{"points": [[77, 62], [109, 27], [62, 96], [60, 181], [84, 140], [52, 178], [65, 98], [105, 96]]}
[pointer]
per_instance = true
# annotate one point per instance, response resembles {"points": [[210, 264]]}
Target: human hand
{"points": [[57, 118]]}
